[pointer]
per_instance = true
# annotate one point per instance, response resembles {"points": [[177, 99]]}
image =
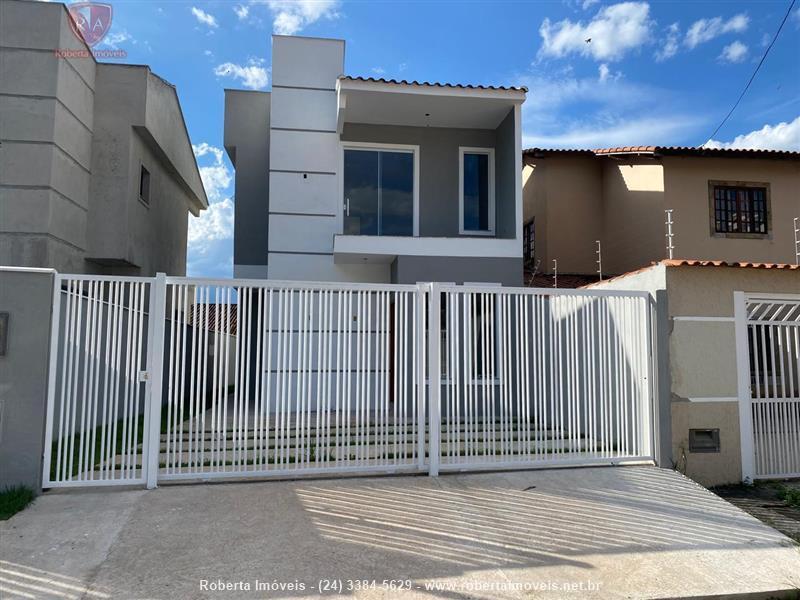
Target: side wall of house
{"points": [[686, 184], [633, 214], [564, 195], [247, 116], [46, 125]]}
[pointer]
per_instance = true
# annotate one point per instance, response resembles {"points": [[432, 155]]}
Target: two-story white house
{"points": [[342, 178]]}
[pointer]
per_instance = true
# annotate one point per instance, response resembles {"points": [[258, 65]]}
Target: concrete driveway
{"points": [[631, 532]]}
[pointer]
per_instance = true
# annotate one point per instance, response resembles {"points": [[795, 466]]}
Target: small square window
{"points": [[740, 209], [144, 185]]}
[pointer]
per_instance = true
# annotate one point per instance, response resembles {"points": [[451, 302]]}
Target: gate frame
{"points": [[650, 420], [428, 338], [52, 376], [744, 377]]}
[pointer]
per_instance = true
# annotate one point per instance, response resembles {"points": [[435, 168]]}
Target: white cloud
{"points": [[378, 71], [580, 112], [670, 45], [204, 17], [705, 30], [291, 16], [616, 132], [603, 72], [216, 177], [783, 136], [210, 236], [113, 39], [241, 11], [206, 148], [614, 31], [734, 52], [253, 75], [587, 4], [214, 223]]}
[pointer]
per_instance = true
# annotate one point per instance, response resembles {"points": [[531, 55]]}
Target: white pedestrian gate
{"points": [[768, 367], [175, 378]]}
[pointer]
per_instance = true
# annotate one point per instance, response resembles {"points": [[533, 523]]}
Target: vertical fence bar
{"points": [[743, 373], [434, 376], [155, 371], [55, 322]]}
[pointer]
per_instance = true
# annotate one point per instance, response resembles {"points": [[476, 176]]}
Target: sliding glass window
{"points": [[378, 192]]}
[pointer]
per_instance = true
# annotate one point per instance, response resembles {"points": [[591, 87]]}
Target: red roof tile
{"points": [[671, 151], [682, 262], [434, 84]]}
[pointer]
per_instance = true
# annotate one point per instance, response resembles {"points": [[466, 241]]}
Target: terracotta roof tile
{"points": [[670, 151], [434, 84], [686, 262], [721, 263]]}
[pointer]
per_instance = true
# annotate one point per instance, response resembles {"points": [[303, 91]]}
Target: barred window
{"points": [[528, 242], [740, 209]]}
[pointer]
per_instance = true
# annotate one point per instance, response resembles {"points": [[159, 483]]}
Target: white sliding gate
{"points": [[768, 365], [172, 378], [532, 377]]}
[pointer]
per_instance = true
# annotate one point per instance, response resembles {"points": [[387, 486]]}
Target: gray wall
{"points": [[27, 297], [413, 269], [439, 169], [74, 135], [506, 176], [247, 143], [46, 123]]}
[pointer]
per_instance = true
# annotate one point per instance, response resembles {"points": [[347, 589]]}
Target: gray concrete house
{"points": [[97, 173], [373, 180]]}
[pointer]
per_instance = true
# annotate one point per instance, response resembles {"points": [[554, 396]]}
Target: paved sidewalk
{"points": [[631, 532]]}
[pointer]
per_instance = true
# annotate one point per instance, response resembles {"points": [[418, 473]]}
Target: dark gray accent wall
{"points": [[247, 143], [439, 169], [505, 179], [27, 297], [457, 269]]}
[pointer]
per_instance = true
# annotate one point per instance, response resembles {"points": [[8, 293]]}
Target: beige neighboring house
{"points": [[698, 373], [619, 196], [97, 173]]}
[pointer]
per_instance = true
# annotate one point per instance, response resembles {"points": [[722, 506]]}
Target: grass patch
{"points": [[13, 500], [790, 496]]}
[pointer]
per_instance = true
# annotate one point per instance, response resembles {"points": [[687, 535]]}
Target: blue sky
{"points": [[662, 73]]}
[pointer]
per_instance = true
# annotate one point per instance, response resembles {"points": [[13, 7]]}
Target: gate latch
{"points": [[144, 376]]}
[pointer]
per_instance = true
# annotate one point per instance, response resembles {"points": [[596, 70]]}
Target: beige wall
{"points": [[577, 199], [686, 191], [633, 215], [564, 195], [701, 356]]}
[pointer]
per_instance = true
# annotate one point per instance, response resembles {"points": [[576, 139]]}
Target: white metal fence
{"points": [[96, 406], [768, 354], [533, 377], [172, 378], [324, 377]]}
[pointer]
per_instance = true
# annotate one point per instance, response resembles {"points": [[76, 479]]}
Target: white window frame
{"points": [[462, 150], [413, 149]]}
